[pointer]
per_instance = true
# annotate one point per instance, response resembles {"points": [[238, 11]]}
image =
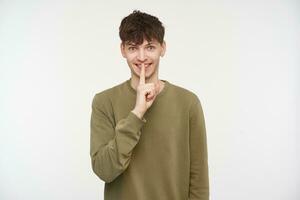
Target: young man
{"points": [[148, 136]]}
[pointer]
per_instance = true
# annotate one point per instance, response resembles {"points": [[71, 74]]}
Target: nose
{"points": [[141, 55]]}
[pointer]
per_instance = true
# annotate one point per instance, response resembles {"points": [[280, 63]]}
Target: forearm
{"points": [[110, 159], [199, 178]]}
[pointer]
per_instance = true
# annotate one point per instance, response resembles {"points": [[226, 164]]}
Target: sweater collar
{"points": [[162, 93]]}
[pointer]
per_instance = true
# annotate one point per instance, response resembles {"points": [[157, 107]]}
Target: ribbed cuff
{"points": [[133, 117]]}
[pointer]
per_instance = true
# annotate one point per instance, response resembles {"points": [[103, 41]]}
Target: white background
{"points": [[240, 57]]}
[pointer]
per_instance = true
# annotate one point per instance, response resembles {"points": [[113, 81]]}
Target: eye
{"points": [[131, 48], [151, 47]]}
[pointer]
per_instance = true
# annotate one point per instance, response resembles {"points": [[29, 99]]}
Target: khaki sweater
{"points": [[160, 157]]}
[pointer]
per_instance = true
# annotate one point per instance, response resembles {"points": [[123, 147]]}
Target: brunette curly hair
{"points": [[139, 26]]}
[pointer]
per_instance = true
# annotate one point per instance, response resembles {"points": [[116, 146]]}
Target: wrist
{"points": [[137, 113]]}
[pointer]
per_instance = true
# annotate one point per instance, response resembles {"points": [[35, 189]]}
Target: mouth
{"points": [[139, 66]]}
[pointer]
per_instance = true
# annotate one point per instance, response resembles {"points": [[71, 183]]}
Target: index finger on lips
{"points": [[142, 74]]}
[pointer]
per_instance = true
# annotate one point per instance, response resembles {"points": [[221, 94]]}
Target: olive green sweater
{"points": [[160, 157]]}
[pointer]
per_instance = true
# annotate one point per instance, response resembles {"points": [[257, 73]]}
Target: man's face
{"points": [[147, 53]]}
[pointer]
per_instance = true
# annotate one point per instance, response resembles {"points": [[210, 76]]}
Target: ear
{"points": [[164, 48], [122, 48]]}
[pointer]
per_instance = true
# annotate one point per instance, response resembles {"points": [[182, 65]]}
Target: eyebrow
{"points": [[133, 44]]}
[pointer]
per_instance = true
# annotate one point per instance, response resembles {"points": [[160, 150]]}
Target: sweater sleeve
{"points": [[111, 146], [199, 179]]}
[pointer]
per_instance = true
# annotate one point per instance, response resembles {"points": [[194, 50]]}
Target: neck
{"points": [[153, 79], [135, 81]]}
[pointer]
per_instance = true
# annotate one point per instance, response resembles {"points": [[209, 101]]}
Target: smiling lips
{"points": [[146, 65]]}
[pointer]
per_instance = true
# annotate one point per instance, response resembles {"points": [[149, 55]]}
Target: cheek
{"points": [[130, 60], [156, 56], [156, 59], [129, 57], [152, 58]]}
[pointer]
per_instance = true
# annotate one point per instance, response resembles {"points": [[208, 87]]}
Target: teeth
{"points": [[146, 65]]}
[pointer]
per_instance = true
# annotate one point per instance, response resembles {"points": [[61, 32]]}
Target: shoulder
{"points": [[192, 101], [104, 97], [184, 94]]}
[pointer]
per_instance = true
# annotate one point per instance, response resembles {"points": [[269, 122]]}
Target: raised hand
{"points": [[146, 94]]}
